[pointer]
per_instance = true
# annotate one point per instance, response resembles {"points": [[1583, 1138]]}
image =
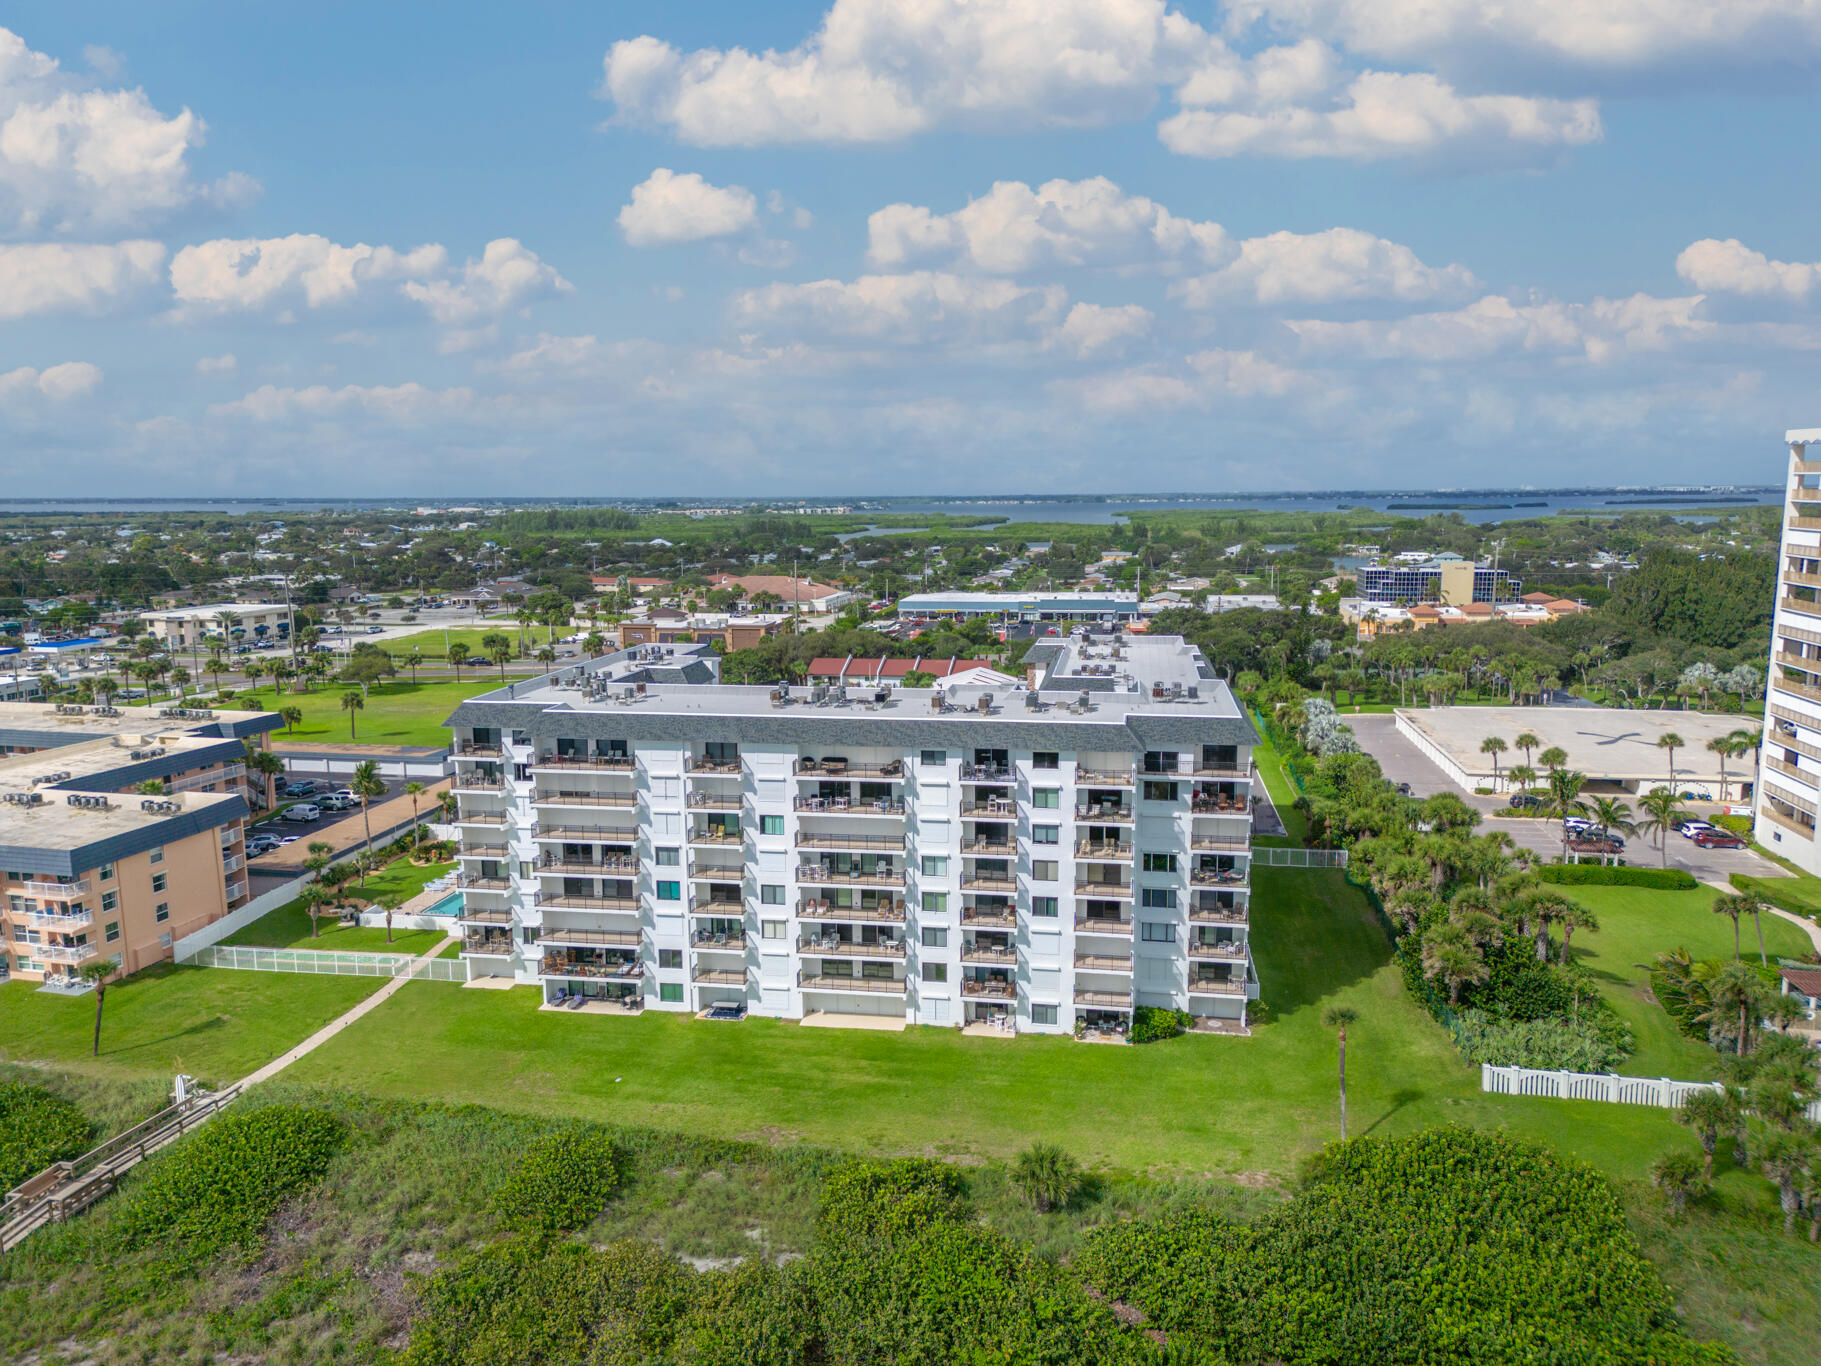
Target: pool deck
{"points": [[425, 901]]}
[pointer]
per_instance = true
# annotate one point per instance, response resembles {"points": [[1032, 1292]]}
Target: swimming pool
{"points": [[449, 905]]}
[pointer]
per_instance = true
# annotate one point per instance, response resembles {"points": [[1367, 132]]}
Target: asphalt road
{"points": [[1402, 762]]}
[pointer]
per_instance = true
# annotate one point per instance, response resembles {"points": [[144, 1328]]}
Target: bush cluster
{"points": [[37, 1128], [563, 1181], [1596, 1042], [1791, 893], [220, 1186], [1150, 1023], [1612, 875]]}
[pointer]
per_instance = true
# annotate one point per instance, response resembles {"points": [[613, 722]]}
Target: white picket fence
{"points": [[1662, 1092], [1274, 856], [250, 958]]}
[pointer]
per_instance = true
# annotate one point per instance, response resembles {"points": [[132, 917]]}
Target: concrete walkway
{"points": [[335, 1026]]}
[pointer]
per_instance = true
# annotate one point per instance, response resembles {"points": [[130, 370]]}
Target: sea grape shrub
{"points": [[1150, 1023], [1447, 1246], [37, 1127], [219, 1187], [563, 1181], [888, 1199], [753, 1314]]}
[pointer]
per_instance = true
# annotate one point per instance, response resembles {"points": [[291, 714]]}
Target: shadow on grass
{"points": [[209, 1025], [1314, 935], [1399, 1099]]}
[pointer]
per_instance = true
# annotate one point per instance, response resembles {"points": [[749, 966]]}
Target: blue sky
{"points": [[904, 246]]}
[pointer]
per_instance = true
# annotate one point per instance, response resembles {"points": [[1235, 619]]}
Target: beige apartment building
{"points": [[182, 628]]}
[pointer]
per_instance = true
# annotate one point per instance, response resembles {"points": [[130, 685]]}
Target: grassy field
{"points": [[288, 927], [433, 645], [214, 1024], [1282, 789], [397, 713]]}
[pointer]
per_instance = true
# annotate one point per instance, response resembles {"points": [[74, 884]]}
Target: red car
{"points": [[1718, 839]]}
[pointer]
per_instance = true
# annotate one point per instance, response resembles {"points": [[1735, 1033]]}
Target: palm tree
{"points": [[1522, 777], [1709, 1114], [1578, 917], [389, 904], [1527, 741], [458, 655], [1735, 906], [545, 655], [1338, 1018], [367, 784], [1048, 1176], [1678, 1176], [96, 974], [293, 717], [1722, 747], [266, 764], [1449, 955], [500, 645], [1661, 815], [1782, 1160], [412, 790], [1734, 996], [351, 702], [596, 644], [1564, 800], [1670, 742], [1553, 758], [314, 898], [1494, 746]]}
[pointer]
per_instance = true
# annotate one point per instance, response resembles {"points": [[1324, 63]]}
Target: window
{"points": [[670, 891], [1043, 906], [934, 937], [105, 871], [164, 941], [667, 858], [670, 958], [933, 758], [157, 854], [1044, 834], [112, 931], [771, 825], [935, 865], [1049, 798], [935, 903], [771, 894], [526, 868], [1046, 758], [1158, 932], [158, 881], [771, 929], [1043, 870], [935, 972], [19, 934], [1043, 1014], [161, 912], [670, 991], [1160, 863], [1162, 898], [110, 900], [25, 964], [1160, 792]]}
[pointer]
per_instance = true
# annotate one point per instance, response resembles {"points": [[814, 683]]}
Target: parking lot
{"points": [[1402, 762], [341, 829]]}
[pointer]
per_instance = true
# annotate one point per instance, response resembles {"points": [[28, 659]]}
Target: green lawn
{"points": [[1282, 790], [1636, 924], [434, 644], [214, 1024], [288, 927], [396, 713]]}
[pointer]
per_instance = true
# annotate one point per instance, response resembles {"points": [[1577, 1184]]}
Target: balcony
{"points": [[470, 916], [1229, 950], [1788, 822], [1217, 915], [563, 901], [1103, 1000], [622, 865], [700, 800], [1220, 806], [990, 991], [1796, 576], [708, 872], [992, 809], [830, 947], [590, 939], [1103, 891], [495, 818], [848, 806], [1233, 844], [582, 834], [1228, 771], [990, 917], [467, 749], [592, 763], [1795, 661], [547, 800], [1095, 962], [1103, 924], [1795, 689], [858, 915], [997, 883], [473, 882], [1807, 777], [717, 977], [816, 874], [1104, 777], [990, 848], [814, 839], [701, 767], [553, 965], [233, 863], [714, 837], [1216, 877], [236, 890], [57, 891], [711, 941], [50, 920], [487, 945], [1103, 851], [890, 771], [986, 953], [1104, 813], [65, 953], [1217, 986], [1797, 522], [208, 777], [887, 986], [1792, 603], [473, 780], [988, 773]]}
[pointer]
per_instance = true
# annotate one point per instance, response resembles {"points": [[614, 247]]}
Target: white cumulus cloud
{"points": [[667, 208], [507, 276], [253, 273], [911, 309], [53, 277], [217, 365], [1325, 267], [75, 159], [1731, 267], [1496, 326], [1089, 328], [402, 403], [58, 383]]}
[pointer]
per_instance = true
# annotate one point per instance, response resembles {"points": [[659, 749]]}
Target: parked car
{"points": [[300, 787], [261, 844], [334, 801], [1719, 839], [1403, 790], [1689, 829], [1576, 825], [288, 839], [1525, 801], [375, 630], [303, 811], [349, 793], [480, 661]]}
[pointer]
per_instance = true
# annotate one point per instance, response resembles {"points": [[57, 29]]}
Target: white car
{"points": [[302, 811], [1576, 825], [1689, 829]]}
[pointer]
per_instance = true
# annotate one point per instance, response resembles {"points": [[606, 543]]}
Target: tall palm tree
{"points": [[1782, 1160], [96, 974], [1564, 800], [1523, 777], [1709, 1114], [1735, 906], [1722, 747], [367, 784], [293, 717], [1662, 813], [351, 702], [1494, 746], [501, 645], [1579, 917], [265, 764], [1553, 758], [1527, 741], [1612, 815], [1449, 955], [412, 790], [1338, 1018], [1670, 742], [458, 656]]}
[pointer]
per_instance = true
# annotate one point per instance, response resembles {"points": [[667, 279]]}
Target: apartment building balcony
{"points": [[51, 920], [713, 768], [472, 848], [723, 873], [1804, 466], [472, 916], [620, 865], [467, 749], [235, 890], [1102, 1000], [977, 989], [992, 954], [702, 799], [1216, 986], [1104, 891], [993, 808], [1796, 661], [715, 837], [1103, 777], [1796, 576], [1103, 851], [833, 946], [1099, 962], [575, 763], [1120, 926], [988, 773], [989, 917], [820, 875], [65, 953], [887, 986], [719, 941], [559, 937], [818, 839], [477, 780], [1789, 821], [717, 977], [209, 777], [580, 834], [1807, 777], [1226, 772], [1002, 884], [491, 818], [850, 806], [1798, 522], [890, 771], [1104, 813], [55, 890], [718, 901], [1212, 841], [1790, 602], [1216, 914], [1216, 877], [592, 969], [568, 901], [1795, 689], [980, 847], [1799, 633], [233, 863], [857, 915], [474, 882], [1220, 806], [550, 801], [1229, 950], [487, 945]]}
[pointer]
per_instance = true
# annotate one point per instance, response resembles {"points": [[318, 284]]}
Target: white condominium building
{"points": [[1027, 856], [1790, 775]]}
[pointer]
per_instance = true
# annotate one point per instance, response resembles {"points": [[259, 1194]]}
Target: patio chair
{"points": [[575, 1002]]}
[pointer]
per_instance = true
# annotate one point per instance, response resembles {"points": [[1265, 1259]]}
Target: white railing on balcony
{"points": [[233, 863], [236, 890], [65, 953], [227, 773], [49, 920], [59, 891]]}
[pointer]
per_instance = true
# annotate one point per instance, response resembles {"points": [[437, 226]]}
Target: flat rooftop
{"points": [[33, 837], [1605, 743], [111, 755], [211, 610], [42, 724]]}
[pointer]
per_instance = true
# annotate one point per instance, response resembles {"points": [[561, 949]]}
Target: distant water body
{"points": [[1476, 505]]}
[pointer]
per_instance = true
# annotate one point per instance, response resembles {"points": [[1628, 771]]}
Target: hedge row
{"points": [[1799, 894], [1612, 875]]}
